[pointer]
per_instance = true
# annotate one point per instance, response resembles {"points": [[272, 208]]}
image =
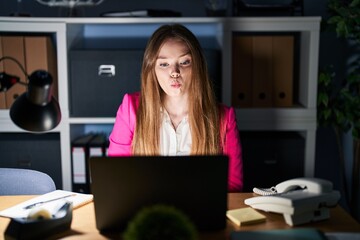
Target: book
{"points": [[49, 201], [244, 216]]}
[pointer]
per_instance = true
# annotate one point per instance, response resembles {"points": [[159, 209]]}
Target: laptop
{"points": [[196, 185]]}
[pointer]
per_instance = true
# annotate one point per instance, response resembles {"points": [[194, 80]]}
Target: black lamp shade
{"points": [[36, 110]]}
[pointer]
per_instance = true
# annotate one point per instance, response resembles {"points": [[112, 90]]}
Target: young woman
{"points": [[176, 112]]}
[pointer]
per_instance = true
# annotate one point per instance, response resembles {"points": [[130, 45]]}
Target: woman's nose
{"points": [[175, 72]]}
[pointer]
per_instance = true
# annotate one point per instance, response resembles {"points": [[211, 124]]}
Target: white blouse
{"points": [[174, 142]]}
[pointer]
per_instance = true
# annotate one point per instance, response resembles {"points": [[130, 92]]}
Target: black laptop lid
{"points": [[197, 185]]}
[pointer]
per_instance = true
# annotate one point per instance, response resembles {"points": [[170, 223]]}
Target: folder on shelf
{"points": [[40, 54], [13, 46], [80, 166], [2, 100], [97, 145], [283, 65], [241, 71], [13, 92], [2, 93], [1, 54], [262, 71], [107, 147]]}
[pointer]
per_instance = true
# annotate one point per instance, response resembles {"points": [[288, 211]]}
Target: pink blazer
{"points": [[123, 131]]}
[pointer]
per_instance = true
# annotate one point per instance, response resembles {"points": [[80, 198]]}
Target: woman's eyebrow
{"points": [[187, 53], [163, 57]]}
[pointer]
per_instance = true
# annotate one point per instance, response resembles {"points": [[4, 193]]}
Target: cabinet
{"points": [[214, 34]]}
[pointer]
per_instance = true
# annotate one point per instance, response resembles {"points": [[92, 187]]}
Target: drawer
{"points": [[100, 78], [271, 157]]}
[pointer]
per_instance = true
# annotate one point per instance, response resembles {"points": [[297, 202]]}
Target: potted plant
{"points": [[339, 102], [160, 222]]}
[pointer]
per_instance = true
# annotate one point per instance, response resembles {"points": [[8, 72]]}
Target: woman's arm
{"points": [[123, 131], [232, 148]]}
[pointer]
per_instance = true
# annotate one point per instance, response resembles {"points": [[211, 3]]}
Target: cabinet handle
{"points": [[106, 70]]}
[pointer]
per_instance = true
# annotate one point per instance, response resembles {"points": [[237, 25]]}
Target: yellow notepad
{"points": [[243, 216]]}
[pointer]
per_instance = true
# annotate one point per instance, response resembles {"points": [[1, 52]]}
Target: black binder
{"points": [[98, 145], [80, 166]]}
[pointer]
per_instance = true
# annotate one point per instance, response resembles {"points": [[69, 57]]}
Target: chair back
{"points": [[15, 181]]}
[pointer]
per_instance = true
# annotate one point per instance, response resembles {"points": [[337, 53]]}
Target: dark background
{"points": [[332, 51]]}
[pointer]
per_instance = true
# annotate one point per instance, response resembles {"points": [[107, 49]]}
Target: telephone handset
{"points": [[314, 185], [301, 200]]}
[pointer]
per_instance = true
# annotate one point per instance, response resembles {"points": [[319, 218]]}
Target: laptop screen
{"points": [[196, 185]]}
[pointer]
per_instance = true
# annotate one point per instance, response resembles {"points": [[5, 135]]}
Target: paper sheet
{"points": [[19, 210]]}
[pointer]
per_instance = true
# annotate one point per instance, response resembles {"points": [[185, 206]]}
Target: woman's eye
{"points": [[184, 63], [164, 64]]}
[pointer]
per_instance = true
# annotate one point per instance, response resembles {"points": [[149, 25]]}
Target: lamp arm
{"points": [[20, 66]]}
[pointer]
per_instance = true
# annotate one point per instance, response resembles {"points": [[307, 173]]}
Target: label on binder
{"points": [[79, 169]]}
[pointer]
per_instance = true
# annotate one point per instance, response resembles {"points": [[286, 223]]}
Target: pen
{"points": [[51, 200]]}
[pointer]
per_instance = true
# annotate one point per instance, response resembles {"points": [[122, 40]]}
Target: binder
{"points": [[1, 55], [97, 146], [283, 65], [107, 143], [242, 71], [2, 93], [262, 71], [40, 55], [2, 100], [13, 46], [80, 166], [13, 92]]}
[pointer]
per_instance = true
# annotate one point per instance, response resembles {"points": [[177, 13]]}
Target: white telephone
{"points": [[300, 200]]}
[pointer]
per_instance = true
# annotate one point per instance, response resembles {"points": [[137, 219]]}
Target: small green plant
{"points": [[338, 106], [345, 18], [160, 222], [339, 102]]}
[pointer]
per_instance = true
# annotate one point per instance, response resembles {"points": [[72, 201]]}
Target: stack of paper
{"points": [[49, 201], [247, 215]]}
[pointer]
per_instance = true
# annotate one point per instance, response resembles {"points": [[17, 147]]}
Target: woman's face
{"points": [[173, 67]]}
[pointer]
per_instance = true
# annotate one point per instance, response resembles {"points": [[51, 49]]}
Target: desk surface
{"points": [[83, 223]]}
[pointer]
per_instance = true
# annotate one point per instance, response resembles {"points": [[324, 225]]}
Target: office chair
{"points": [[14, 181]]}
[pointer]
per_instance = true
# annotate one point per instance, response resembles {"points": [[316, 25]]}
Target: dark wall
{"points": [[332, 50], [188, 8]]}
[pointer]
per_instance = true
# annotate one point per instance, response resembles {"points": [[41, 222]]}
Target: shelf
{"points": [[276, 119], [308, 29], [214, 33], [91, 120]]}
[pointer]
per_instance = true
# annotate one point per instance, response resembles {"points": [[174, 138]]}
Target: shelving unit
{"points": [[303, 118], [70, 33]]}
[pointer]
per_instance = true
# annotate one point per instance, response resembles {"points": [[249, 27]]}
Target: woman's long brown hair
{"points": [[204, 118]]}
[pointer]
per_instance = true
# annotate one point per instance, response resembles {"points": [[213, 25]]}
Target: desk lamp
{"points": [[36, 110]]}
